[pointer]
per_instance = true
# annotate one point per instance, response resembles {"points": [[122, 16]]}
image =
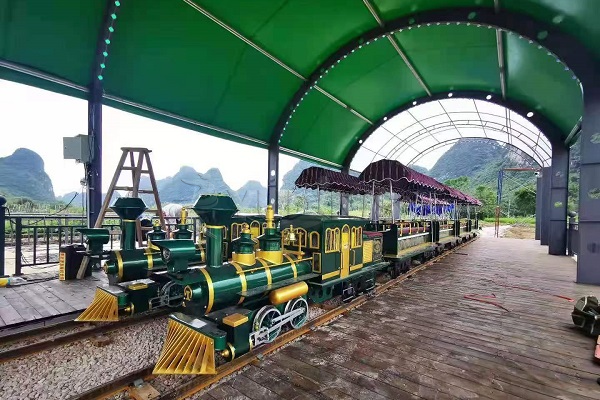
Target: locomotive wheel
{"points": [[264, 319], [294, 305]]}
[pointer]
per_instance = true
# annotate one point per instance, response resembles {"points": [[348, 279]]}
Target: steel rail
{"points": [[202, 382], [42, 345]]}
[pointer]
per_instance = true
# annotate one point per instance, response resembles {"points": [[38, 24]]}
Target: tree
{"points": [[461, 183], [525, 201], [488, 198]]}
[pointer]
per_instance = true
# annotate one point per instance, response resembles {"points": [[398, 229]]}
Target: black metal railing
{"points": [[573, 239], [33, 240]]}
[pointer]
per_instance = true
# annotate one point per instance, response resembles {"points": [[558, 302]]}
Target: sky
{"points": [[38, 120]]}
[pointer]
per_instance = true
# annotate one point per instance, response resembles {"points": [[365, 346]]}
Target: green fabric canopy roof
{"points": [[231, 68]]}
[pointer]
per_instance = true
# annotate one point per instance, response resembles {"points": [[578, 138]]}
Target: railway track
{"points": [[41, 345], [201, 382]]}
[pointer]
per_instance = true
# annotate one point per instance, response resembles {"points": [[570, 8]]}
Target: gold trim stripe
{"points": [[330, 274], [244, 283], [215, 226], [355, 267], [211, 290], [293, 264], [266, 268], [150, 261], [278, 265], [119, 263]]}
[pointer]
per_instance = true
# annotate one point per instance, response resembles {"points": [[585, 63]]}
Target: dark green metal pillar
{"points": [[559, 183], [345, 198], [545, 217], [273, 178], [2, 234], [538, 207], [588, 259]]}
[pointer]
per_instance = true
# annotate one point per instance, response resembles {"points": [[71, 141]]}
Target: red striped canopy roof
{"points": [[334, 181], [404, 180]]}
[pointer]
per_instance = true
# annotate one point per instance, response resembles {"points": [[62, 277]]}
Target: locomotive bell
{"points": [[292, 235]]}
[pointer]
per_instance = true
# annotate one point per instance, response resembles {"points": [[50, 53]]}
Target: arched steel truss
{"points": [[572, 53], [509, 128], [511, 148]]}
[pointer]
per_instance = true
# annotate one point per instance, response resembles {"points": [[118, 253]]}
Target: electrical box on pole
{"points": [[77, 148]]}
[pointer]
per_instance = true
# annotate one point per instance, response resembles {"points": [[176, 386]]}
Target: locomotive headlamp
{"points": [[166, 255], [176, 253]]}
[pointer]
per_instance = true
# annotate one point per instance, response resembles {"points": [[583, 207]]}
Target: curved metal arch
{"points": [[547, 127], [567, 49], [419, 135], [535, 156], [396, 153], [447, 143]]}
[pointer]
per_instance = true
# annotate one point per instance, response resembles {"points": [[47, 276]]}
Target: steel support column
{"points": [[273, 178], [545, 217], [538, 207], [94, 167], [559, 194], [2, 234], [345, 197], [588, 259]]}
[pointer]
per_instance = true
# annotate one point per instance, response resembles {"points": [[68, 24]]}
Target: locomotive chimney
{"points": [[215, 211], [129, 209]]}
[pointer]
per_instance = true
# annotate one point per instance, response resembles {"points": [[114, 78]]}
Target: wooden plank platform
{"points": [[45, 299], [424, 339]]}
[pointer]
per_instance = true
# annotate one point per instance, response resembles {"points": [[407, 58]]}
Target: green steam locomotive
{"points": [[227, 308]]}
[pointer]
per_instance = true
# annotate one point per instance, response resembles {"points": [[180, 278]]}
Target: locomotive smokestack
{"points": [[129, 209], [216, 212]]}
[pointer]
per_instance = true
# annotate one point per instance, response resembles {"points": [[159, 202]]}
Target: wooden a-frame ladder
{"points": [[136, 157]]}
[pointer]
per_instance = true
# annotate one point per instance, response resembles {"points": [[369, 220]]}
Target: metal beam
{"points": [[276, 60], [574, 133], [567, 49], [394, 41], [41, 75], [448, 142], [501, 57], [550, 131], [190, 121], [501, 61]]}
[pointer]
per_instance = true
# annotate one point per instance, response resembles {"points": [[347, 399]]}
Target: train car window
{"points": [[317, 263], [314, 240], [332, 240], [235, 231], [356, 240], [302, 236]]}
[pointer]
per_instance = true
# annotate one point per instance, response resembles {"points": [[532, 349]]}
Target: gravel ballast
{"points": [[68, 370]]}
